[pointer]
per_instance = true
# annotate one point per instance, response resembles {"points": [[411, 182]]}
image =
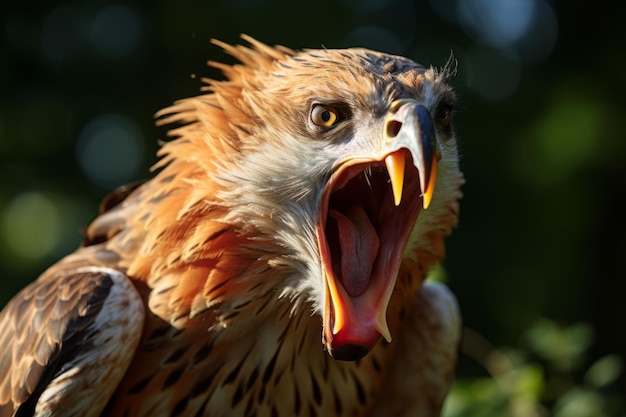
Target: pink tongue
{"points": [[359, 245]]}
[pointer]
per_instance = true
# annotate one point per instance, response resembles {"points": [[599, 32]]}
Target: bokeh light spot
{"points": [[110, 150], [541, 36], [498, 22], [565, 139], [31, 225], [527, 27], [115, 31]]}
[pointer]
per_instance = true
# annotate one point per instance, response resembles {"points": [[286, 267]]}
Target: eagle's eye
{"points": [[323, 115], [445, 117]]}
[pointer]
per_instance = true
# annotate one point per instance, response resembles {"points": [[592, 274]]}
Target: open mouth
{"points": [[367, 213]]}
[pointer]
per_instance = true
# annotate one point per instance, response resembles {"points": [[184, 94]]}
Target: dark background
{"points": [[540, 251]]}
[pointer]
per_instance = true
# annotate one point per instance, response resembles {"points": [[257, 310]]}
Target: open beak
{"points": [[367, 212]]}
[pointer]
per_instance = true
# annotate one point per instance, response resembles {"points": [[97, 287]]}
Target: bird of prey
{"points": [[275, 263]]}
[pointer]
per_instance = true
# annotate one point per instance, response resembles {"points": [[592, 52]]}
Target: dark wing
{"points": [[69, 332]]}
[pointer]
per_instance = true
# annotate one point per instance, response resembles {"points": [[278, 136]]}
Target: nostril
{"points": [[393, 128]]}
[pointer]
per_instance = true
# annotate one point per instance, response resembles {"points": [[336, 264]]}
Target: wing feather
{"points": [[61, 331]]}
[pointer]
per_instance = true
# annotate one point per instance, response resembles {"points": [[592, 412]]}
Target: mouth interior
{"points": [[365, 231], [354, 240]]}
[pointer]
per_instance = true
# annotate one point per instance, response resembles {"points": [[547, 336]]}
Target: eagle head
{"points": [[327, 180]]}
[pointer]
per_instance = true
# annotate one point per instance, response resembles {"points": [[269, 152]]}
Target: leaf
{"points": [[605, 371]]}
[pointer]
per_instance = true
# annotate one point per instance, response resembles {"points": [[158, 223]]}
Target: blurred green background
{"points": [[539, 259]]}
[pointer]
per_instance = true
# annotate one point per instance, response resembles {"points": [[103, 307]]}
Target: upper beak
{"points": [[410, 126]]}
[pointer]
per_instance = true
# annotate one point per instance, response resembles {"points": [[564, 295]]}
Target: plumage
{"points": [[284, 234]]}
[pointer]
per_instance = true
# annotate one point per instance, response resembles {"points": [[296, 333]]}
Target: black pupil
{"points": [[325, 115]]}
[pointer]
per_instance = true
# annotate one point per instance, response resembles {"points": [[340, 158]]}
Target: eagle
{"points": [[275, 263]]}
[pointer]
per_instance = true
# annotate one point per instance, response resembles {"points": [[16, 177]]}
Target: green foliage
{"points": [[546, 375]]}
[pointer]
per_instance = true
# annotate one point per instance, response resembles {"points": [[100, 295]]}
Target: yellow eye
{"points": [[323, 115]]}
